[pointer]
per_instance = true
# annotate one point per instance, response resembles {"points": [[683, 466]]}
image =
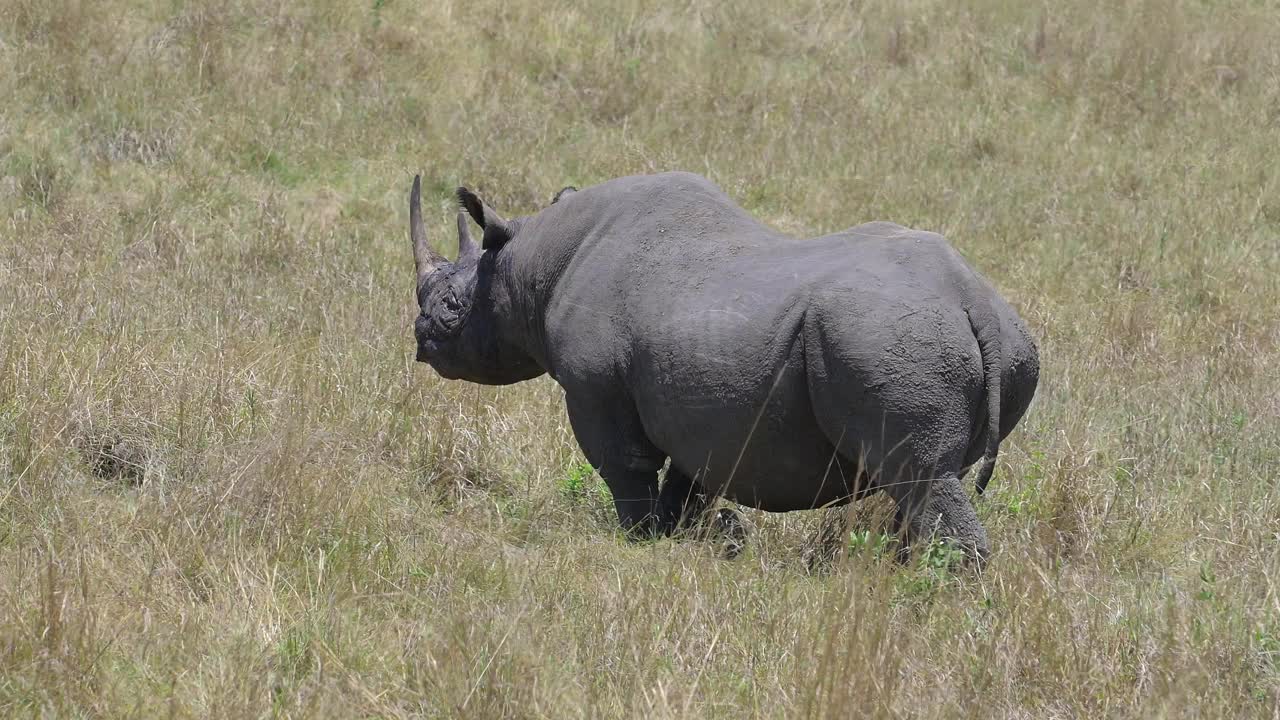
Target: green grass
{"points": [[226, 490]]}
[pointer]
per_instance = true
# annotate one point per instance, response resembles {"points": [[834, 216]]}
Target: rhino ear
{"points": [[564, 192], [497, 231]]}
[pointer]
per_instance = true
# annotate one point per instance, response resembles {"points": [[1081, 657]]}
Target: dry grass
{"points": [[226, 490]]}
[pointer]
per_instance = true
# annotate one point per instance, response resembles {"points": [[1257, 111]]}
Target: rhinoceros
{"points": [[778, 373]]}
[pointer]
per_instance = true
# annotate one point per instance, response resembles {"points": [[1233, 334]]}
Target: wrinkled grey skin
{"points": [[778, 373]]}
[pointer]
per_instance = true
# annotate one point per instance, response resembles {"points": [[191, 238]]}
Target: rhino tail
{"points": [[986, 328]]}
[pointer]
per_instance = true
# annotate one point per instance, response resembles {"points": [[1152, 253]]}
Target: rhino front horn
{"points": [[425, 258]]}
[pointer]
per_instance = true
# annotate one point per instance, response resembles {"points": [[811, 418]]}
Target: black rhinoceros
{"points": [[778, 373]]}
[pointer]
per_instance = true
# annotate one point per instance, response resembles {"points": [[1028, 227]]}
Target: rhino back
{"points": [[620, 252], [703, 331], [674, 300]]}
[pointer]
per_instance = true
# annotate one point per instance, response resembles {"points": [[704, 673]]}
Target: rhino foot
{"points": [[728, 528]]}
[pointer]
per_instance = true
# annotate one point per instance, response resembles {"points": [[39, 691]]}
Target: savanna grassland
{"points": [[226, 490]]}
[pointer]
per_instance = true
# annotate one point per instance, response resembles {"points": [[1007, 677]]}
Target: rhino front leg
{"points": [[616, 446], [682, 501], [939, 508], [682, 505]]}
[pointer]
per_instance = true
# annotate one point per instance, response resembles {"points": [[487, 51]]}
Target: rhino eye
{"points": [[447, 316]]}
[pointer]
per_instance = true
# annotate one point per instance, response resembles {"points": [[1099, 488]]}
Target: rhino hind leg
{"points": [[939, 509], [929, 498], [917, 465]]}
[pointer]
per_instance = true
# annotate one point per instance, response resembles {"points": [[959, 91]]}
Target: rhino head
{"points": [[463, 329]]}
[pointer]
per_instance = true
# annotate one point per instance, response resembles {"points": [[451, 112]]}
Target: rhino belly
{"points": [[782, 472], [775, 459]]}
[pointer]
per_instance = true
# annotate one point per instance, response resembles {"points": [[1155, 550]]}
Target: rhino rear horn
{"points": [[497, 231], [424, 257], [467, 248]]}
